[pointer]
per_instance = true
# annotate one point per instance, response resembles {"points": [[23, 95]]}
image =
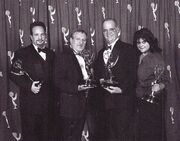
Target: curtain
{"points": [[61, 17]]}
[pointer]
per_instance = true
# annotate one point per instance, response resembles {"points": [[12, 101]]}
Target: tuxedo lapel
{"points": [[37, 62], [77, 64], [48, 55], [117, 51], [35, 54]]}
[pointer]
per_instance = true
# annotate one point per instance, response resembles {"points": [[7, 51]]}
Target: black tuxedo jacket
{"points": [[68, 76], [124, 73], [28, 65]]}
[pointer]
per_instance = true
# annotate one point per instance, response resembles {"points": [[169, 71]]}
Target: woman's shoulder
{"points": [[156, 58]]}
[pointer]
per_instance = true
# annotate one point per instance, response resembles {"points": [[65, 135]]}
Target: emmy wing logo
{"points": [[78, 13], [65, 35]]}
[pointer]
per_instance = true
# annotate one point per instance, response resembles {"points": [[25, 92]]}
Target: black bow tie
{"points": [[78, 53], [108, 47], [42, 50]]}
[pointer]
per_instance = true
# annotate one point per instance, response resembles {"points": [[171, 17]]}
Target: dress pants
{"points": [[71, 128], [96, 116], [34, 127], [119, 124], [150, 121], [97, 126]]}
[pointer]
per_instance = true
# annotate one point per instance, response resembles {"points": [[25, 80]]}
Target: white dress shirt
{"points": [[107, 52], [42, 54], [83, 66]]}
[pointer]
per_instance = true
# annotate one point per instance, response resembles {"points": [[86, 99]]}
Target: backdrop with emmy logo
{"points": [[61, 17]]}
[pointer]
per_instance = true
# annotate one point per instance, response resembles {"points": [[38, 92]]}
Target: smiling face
{"points": [[110, 31], [78, 41], [38, 36], [143, 45]]}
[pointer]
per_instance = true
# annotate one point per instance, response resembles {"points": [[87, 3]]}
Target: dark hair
{"points": [[37, 23], [78, 31], [148, 36], [110, 19]]}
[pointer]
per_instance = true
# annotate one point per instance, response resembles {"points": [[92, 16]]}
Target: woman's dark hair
{"points": [[147, 36]]}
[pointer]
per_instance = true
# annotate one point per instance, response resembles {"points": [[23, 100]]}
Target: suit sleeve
{"points": [[17, 73], [132, 63], [98, 68], [62, 80]]}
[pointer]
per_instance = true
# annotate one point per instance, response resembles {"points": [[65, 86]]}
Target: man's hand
{"points": [[101, 81], [36, 86], [113, 90], [158, 87], [83, 87]]}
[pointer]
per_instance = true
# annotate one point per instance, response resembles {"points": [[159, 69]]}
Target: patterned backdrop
{"points": [[162, 17]]}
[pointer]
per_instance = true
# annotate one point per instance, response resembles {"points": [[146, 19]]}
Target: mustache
{"points": [[41, 40]]}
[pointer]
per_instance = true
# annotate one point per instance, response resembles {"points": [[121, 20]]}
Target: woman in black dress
{"points": [[151, 87]]}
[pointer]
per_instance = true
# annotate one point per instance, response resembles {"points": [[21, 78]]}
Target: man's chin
{"points": [[41, 45], [109, 41]]}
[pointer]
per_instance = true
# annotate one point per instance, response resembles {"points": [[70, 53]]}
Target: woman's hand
{"points": [[157, 87]]}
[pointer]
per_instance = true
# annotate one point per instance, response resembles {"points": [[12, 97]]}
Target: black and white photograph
{"points": [[89, 70]]}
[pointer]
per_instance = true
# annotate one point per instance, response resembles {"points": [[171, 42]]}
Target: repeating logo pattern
{"points": [[78, 13]]}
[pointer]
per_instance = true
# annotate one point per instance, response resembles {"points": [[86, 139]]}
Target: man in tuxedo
{"points": [[32, 71], [70, 74], [115, 68]]}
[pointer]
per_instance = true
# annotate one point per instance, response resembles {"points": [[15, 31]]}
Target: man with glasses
{"points": [[115, 68]]}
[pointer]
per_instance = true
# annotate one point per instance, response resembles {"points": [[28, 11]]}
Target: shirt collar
{"points": [[113, 43], [35, 47], [76, 53]]}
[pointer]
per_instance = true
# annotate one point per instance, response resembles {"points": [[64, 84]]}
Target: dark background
{"points": [[131, 15]]}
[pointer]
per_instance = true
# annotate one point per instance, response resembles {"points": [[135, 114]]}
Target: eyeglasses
{"points": [[111, 30]]}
